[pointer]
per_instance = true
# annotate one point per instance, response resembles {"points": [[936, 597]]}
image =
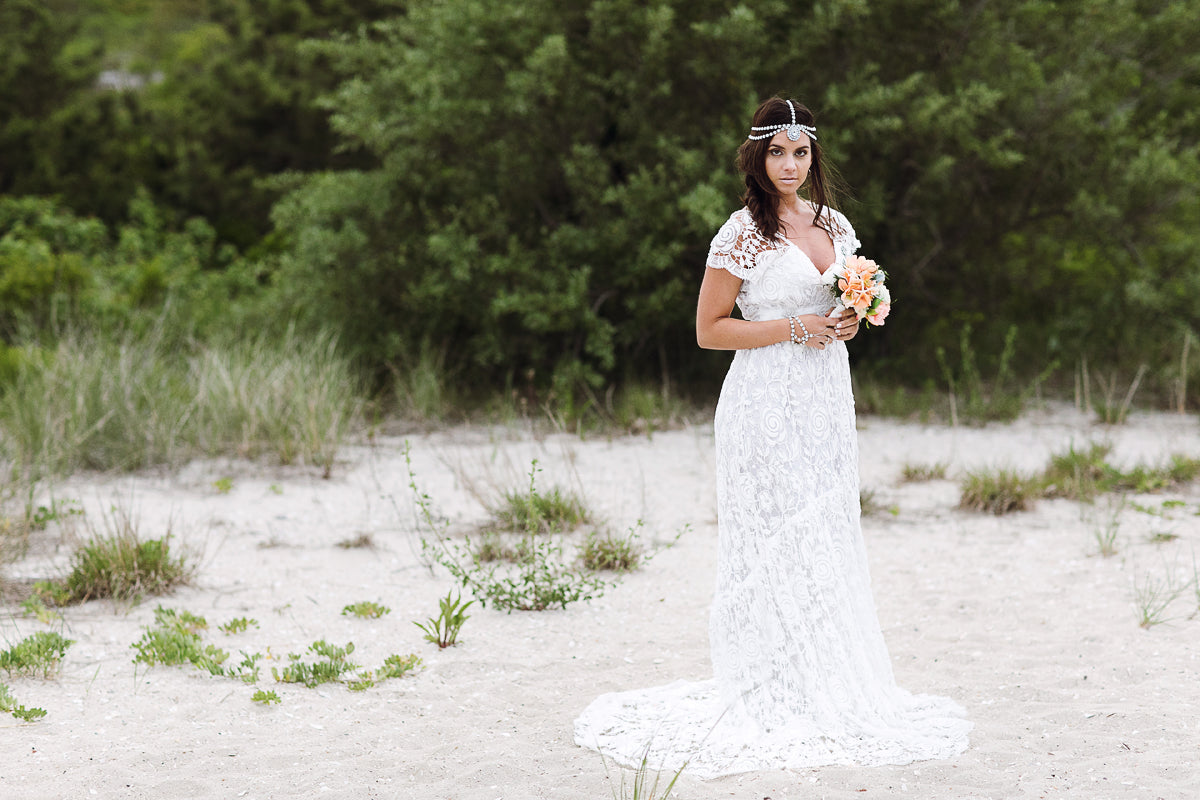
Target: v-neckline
{"points": [[808, 258]]}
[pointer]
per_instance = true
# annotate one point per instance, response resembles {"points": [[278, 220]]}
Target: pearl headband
{"points": [[794, 130]]}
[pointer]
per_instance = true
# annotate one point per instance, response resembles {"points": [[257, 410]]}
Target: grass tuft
{"points": [[996, 492], [117, 563], [921, 473], [610, 552]]}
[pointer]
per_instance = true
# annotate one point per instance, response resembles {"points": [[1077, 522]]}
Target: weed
{"points": [[366, 609], [175, 640], [920, 473], [890, 400], [870, 506], [396, 666], [124, 568], [57, 511], [275, 488], [329, 669], [999, 492], [36, 655], [1079, 474], [443, 629], [539, 512], [9, 705], [35, 606], [609, 552], [1106, 526], [1162, 537], [223, 485], [491, 547], [51, 592], [645, 783], [265, 698], [237, 625], [970, 400], [1152, 596], [541, 581], [1111, 411]]}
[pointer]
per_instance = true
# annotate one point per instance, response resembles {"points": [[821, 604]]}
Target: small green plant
{"points": [[920, 473], [175, 639], [534, 511], [1002, 398], [116, 562], [539, 581], [35, 606], [1162, 537], [1110, 410], [1152, 596], [275, 488], [491, 547], [55, 512], [36, 655], [366, 609], [868, 503], [1079, 474], [237, 625], [9, 705], [265, 697], [609, 552], [397, 666], [333, 664], [443, 629], [996, 492], [645, 784], [1106, 525], [223, 485]]}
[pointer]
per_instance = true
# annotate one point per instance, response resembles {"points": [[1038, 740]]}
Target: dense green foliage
{"points": [[523, 191]]}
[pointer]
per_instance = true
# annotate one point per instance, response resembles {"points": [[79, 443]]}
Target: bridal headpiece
{"points": [[793, 128]]}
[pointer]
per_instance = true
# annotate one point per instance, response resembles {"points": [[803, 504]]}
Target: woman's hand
{"points": [[842, 325]]}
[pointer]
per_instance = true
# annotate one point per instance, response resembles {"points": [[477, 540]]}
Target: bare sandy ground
{"points": [[1016, 617]]}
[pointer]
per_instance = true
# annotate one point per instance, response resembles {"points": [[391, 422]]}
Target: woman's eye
{"points": [[775, 152]]}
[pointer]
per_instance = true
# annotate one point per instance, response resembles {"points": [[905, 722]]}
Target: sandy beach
{"points": [[1016, 617]]}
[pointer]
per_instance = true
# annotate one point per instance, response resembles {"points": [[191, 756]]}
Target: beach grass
{"points": [[121, 402]]}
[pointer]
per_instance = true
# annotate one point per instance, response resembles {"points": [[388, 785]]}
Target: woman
{"points": [[802, 677]]}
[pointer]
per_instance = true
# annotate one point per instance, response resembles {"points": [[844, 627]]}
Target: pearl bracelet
{"points": [[792, 325]]}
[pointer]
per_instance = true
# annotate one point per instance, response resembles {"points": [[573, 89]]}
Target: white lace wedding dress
{"points": [[802, 677]]}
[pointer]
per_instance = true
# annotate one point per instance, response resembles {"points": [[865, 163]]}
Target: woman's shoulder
{"points": [[839, 227], [737, 233]]}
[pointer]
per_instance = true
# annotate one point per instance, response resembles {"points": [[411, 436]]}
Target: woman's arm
{"points": [[716, 330]]}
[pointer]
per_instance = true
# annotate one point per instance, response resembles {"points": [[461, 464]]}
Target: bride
{"points": [[801, 674]]}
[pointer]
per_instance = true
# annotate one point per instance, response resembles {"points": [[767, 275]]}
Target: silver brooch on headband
{"points": [[794, 129]]}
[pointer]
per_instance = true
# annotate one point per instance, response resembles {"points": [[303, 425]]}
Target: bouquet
{"points": [[858, 284]]}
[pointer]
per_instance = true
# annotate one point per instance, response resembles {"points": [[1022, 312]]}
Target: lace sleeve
{"points": [[842, 231], [737, 246]]}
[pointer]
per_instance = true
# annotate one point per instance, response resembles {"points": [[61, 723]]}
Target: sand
{"points": [[1017, 617]]}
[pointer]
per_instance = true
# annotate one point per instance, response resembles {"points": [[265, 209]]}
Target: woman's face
{"points": [[788, 162]]}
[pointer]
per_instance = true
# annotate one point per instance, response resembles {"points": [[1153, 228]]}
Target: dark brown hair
{"points": [[760, 196]]}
